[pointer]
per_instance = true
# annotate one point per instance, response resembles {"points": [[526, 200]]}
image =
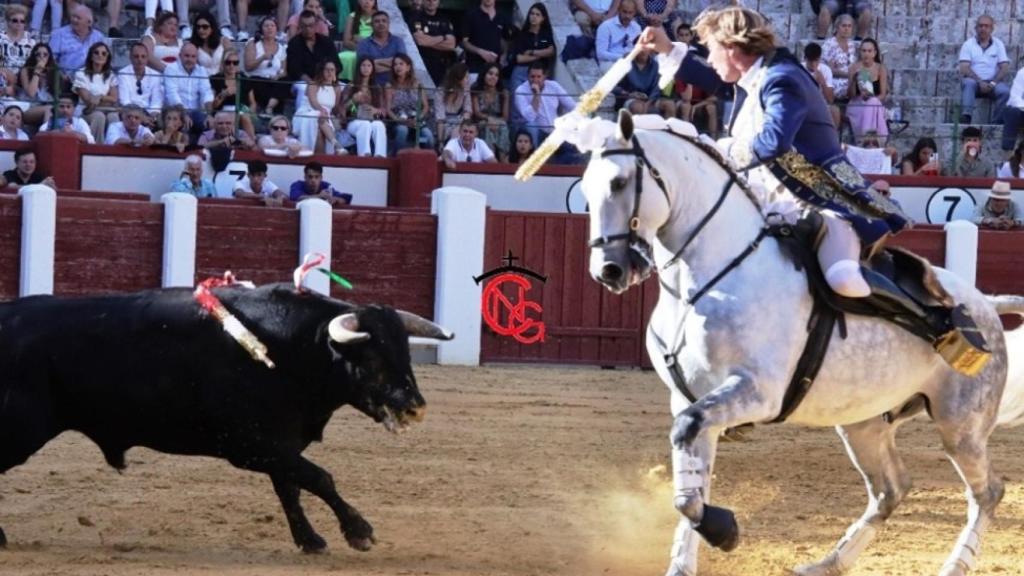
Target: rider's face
{"points": [[724, 59]]}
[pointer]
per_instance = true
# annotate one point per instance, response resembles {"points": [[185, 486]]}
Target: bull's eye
{"points": [[618, 184]]}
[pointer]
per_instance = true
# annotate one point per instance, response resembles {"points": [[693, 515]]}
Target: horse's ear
{"points": [[625, 132]]}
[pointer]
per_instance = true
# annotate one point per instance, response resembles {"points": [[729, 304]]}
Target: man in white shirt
{"points": [[467, 147], [539, 100], [67, 122], [130, 130], [187, 84], [983, 69], [141, 85], [256, 185], [615, 36], [591, 13]]}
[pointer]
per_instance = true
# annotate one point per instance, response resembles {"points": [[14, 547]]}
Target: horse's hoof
{"points": [[719, 528], [313, 544], [361, 544]]}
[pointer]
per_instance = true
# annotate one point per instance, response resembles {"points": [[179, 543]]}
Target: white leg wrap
{"points": [[853, 543], [845, 279]]}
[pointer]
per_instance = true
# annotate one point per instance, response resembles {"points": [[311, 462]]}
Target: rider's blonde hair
{"points": [[738, 27]]}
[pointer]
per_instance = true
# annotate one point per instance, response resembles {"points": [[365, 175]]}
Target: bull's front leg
{"points": [[314, 479], [303, 534], [737, 401]]}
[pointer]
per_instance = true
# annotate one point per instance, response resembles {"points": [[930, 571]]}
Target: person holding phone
{"points": [[970, 164]]}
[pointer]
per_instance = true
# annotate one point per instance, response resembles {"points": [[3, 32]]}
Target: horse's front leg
{"points": [[737, 401], [686, 542]]}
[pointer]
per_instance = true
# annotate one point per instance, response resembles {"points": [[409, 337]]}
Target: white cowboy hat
{"points": [[1000, 190]]}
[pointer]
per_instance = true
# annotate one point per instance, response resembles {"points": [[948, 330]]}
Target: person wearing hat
{"points": [[999, 211]]}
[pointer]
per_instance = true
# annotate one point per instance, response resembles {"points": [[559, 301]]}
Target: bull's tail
{"points": [[1011, 409]]}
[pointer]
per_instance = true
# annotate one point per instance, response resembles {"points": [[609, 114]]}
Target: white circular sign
{"points": [[947, 204]]}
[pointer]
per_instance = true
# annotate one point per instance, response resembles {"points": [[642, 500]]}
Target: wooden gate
{"points": [[584, 323]]}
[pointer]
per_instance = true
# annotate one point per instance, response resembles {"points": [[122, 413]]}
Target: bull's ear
{"points": [[419, 326], [344, 329], [625, 131]]}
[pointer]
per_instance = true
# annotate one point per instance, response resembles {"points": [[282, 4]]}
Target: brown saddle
{"points": [[904, 291]]}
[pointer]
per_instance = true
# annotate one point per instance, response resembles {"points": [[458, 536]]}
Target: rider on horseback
{"points": [[782, 133]]}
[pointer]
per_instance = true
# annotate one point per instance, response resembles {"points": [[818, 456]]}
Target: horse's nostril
{"points": [[611, 272]]}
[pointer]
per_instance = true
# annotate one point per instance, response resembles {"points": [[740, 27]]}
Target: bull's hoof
{"points": [[313, 544], [718, 527], [3, 539]]}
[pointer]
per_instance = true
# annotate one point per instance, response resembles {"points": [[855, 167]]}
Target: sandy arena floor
{"points": [[516, 471]]}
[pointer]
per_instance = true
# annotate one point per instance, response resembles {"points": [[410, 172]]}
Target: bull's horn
{"points": [[419, 326], [344, 330]]}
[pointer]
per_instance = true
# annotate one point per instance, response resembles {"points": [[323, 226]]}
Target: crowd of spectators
{"points": [[305, 82]]}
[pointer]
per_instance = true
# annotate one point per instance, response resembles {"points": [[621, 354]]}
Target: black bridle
{"points": [[631, 236]]}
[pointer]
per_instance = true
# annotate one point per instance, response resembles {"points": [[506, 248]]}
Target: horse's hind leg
{"points": [[966, 446], [872, 448]]}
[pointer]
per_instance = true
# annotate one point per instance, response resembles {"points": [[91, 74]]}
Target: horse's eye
{"points": [[618, 184]]}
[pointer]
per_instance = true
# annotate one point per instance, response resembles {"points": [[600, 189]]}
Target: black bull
{"points": [[152, 369]]}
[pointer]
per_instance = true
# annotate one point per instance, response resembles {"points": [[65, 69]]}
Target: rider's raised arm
{"points": [[686, 65]]}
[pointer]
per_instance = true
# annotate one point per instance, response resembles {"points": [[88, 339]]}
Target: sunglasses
{"points": [[16, 21], [278, 128], [138, 87], [231, 62], [101, 53], [203, 26]]}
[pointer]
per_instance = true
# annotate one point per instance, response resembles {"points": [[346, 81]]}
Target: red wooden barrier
{"points": [[388, 255], [254, 242], [10, 245], [105, 246]]}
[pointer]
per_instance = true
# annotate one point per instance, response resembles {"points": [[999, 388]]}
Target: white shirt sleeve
{"points": [[965, 52], [668, 64], [485, 151]]}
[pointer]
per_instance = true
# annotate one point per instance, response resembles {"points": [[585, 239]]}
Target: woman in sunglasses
{"points": [[264, 62], [211, 43], [96, 86], [280, 141], [233, 93], [15, 43]]}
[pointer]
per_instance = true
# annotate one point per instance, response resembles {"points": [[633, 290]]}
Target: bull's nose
{"points": [[416, 414], [611, 273]]}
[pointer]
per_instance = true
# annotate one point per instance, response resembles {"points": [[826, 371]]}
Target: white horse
{"points": [[739, 341]]}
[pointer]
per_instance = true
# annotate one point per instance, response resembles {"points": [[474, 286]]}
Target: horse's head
{"points": [[628, 204]]}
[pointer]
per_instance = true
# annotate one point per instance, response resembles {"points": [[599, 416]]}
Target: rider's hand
{"points": [[655, 39]]}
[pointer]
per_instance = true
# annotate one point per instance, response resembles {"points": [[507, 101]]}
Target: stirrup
{"points": [[963, 347], [951, 331]]}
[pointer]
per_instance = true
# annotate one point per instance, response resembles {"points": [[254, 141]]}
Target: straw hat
{"points": [[1000, 190]]}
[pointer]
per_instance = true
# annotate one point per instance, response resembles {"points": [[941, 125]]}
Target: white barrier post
{"points": [[38, 236], [962, 249], [461, 219], [180, 215], [315, 223]]}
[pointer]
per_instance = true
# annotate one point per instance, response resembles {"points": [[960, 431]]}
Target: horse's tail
{"points": [[1011, 409]]}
